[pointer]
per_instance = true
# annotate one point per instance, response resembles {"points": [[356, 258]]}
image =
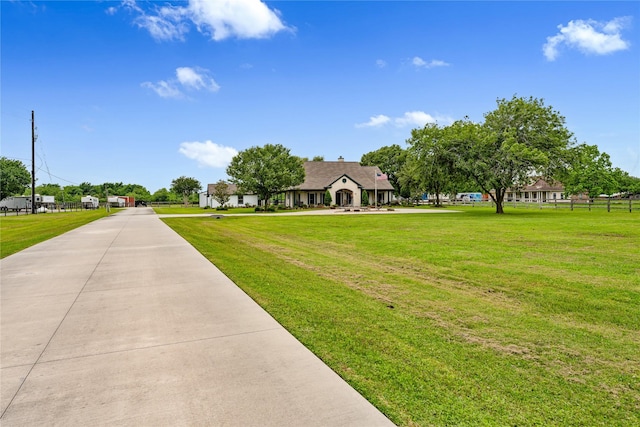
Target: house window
{"points": [[240, 199]]}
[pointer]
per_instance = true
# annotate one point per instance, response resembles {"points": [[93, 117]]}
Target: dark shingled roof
{"points": [[319, 175], [539, 184], [231, 188]]}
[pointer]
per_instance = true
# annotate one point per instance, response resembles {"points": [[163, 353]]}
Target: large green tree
{"points": [[519, 139], [14, 177], [627, 184], [185, 186], [163, 195], [390, 160], [266, 171], [590, 172], [430, 162]]}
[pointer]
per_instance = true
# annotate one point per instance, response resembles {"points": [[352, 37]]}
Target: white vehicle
{"points": [[18, 203], [117, 202], [469, 197], [90, 202]]}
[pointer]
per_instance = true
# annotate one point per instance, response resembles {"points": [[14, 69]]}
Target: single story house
{"points": [[538, 191], [236, 199], [345, 181]]}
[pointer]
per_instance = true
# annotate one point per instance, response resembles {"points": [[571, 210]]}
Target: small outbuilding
{"points": [[236, 198]]}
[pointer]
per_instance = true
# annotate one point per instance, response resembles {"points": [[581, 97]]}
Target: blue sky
{"points": [[143, 92]]}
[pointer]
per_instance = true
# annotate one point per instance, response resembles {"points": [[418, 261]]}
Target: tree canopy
{"points": [[266, 171], [14, 177], [185, 186], [390, 160], [430, 162], [590, 172], [163, 195], [519, 139]]}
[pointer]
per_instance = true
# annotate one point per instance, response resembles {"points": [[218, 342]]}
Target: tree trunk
{"points": [[499, 199]]}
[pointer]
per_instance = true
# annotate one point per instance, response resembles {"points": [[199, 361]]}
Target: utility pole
{"points": [[33, 163]]}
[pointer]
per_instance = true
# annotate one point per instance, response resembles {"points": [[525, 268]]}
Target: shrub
{"points": [[327, 198], [365, 198]]}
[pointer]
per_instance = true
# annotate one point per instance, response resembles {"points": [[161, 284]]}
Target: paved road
{"points": [[122, 322]]}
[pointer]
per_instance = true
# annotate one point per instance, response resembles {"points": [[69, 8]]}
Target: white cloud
{"points": [[381, 63], [414, 118], [437, 63], [220, 19], [410, 118], [208, 153], [418, 62], [421, 63], [375, 121], [196, 78], [168, 22], [186, 78], [164, 89], [589, 37], [240, 18]]}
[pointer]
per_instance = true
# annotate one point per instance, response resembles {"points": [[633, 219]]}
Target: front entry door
{"points": [[344, 198]]}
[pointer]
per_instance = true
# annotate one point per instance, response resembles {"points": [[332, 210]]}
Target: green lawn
{"points": [[528, 318], [181, 210], [20, 232]]}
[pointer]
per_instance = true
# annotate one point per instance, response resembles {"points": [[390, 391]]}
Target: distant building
{"points": [[538, 191], [236, 199]]}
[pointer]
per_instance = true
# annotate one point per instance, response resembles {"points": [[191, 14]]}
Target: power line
{"points": [[62, 179]]}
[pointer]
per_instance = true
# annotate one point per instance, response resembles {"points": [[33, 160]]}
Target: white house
{"points": [[538, 191], [236, 199]]}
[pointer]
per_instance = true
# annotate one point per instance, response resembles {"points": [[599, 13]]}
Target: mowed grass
{"points": [[20, 232], [529, 318]]}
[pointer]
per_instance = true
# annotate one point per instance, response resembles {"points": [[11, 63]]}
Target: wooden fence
{"points": [[630, 205]]}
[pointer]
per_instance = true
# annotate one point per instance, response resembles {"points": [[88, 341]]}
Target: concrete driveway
{"points": [[122, 322]]}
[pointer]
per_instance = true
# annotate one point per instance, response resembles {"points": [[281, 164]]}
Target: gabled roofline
{"points": [[342, 176]]}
